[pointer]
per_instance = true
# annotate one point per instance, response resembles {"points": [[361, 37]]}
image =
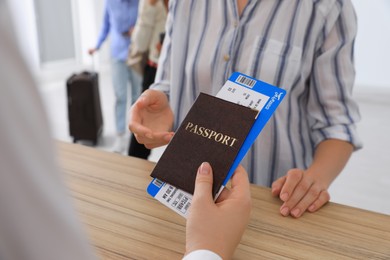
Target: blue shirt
{"points": [[119, 17]]}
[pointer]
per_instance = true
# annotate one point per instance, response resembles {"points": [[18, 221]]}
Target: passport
{"points": [[239, 89], [213, 131]]}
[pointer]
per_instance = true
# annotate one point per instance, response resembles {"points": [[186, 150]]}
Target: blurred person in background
{"points": [[118, 22], [147, 37]]}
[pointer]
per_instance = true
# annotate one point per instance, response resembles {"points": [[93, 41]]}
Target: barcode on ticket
{"points": [[174, 198], [246, 81], [158, 183]]}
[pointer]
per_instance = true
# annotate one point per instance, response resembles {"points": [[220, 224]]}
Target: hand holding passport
{"points": [[219, 130], [213, 131]]}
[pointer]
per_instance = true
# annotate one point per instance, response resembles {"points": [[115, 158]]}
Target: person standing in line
{"points": [[305, 47], [119, 20], [147, 37]]}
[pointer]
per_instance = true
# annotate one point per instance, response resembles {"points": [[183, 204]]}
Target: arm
{"points": [[105, 28], [333, 115], [153, 103], [218, 226], [307, 190]]}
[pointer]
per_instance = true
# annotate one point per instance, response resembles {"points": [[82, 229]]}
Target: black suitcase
{"points": [[84, 111]]}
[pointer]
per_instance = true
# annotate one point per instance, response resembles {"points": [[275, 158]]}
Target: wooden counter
{"points": [[124, 222]]}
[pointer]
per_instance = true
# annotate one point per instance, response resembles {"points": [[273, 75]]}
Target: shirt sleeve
{"points": [[105, 28], [202, 255], [163, 74], [333, 113]]}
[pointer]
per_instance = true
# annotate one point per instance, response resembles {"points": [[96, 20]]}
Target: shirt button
{"points": [[226, 57], [235, 23]]}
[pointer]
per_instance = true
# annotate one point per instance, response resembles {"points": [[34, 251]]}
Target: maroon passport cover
{"points": [[213, 131]]}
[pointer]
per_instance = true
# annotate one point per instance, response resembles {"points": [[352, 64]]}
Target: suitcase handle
{"points": [[93, 66]]}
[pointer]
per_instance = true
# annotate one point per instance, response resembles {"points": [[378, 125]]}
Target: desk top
{"points": [[124, 222]]}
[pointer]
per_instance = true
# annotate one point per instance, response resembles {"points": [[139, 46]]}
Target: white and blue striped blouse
{"points": [[302, 46]]}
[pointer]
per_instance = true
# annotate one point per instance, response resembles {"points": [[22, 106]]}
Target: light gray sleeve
{"points": [[333, 111], [202, 254], [37, 219]]}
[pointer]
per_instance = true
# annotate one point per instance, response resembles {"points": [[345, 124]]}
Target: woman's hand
{"points": [[151, 119]]}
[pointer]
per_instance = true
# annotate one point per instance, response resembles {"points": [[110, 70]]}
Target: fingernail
{"points": [[296, 212], [204, 168], [284, 211], [149, 135], [284, 196], [311, 208]]}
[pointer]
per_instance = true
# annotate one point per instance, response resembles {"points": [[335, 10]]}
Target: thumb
{"points": [[147, 100], [204, 183]]}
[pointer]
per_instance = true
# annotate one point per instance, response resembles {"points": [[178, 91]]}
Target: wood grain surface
{"points": [[124, 222]]}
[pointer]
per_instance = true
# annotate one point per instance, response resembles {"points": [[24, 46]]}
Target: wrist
{"points": [[321, 175]]}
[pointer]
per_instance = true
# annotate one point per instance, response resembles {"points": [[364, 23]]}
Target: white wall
{"points": [[89, 26], [372, 43], [372, 51], [87, 22], [26, 31]]}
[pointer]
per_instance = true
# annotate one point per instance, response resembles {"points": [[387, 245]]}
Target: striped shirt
{"points": [[302, 46]]}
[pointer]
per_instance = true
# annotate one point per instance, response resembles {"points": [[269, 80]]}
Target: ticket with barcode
{"points": [[243, 94], [243, 90]]}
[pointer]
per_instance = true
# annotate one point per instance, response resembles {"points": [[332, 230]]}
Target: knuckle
{"points": [[314, 191], [294, 174], [204, 179], [304, 186]]}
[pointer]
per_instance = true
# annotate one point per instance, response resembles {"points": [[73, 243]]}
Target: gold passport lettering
{"points": [[210, 134], [206, 134]]}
